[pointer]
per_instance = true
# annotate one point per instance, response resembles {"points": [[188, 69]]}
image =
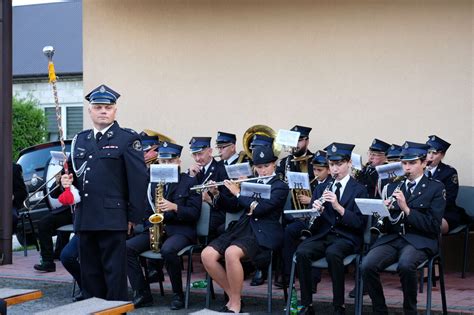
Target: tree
{"points": [[28, 124]]}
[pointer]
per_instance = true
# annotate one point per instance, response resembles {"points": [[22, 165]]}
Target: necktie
{"points": [[410, 187], [430, 175], [260, 181], [338, 190], [98, 136]]}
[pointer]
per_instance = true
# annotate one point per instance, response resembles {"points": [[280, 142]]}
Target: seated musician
{"points": [[414, 238], [368, 176], [436, 169], [181, 208], [338, 232], [257, 230], [294, 227], [225, 144]]}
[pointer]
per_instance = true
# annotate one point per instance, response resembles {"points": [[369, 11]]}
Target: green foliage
{"points": [[28, 124]]}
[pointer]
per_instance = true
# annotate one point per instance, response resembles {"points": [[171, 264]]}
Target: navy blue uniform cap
{"points": [[304, 131], [225, 138], [102, 95], [148, 141], [437, 144], [259, 140], [413, 151], [338, 151], [263, 154], [169, 150], [197, 144], [394, 151], [320, 158], [379, 146]]}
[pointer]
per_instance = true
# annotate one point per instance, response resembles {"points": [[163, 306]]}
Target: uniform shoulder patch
{"points": [[137, 145], [133, 132], [444, 194], [454, 179]]}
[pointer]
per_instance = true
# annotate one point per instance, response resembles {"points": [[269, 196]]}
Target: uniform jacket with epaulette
{"points": [[183, 221], [421, 228], [111, 177], [351, 225]]}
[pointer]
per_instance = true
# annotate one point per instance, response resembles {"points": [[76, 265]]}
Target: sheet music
{"points": [[390, 170], [356, 161], [287, 138], [254, 190], [372, 206], [238, 170], [57, 157], [164, 173], [298, 180]]}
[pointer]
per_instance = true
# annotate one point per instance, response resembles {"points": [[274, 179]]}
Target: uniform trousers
{"points": [[335, 249], [382, 256], [169, 250], [70, 259], [47, 228], [103, 264]]}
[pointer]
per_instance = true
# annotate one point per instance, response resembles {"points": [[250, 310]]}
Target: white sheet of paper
{"points": [[57, 157], [254, 190], [238, 170], [164, 173], [390, 170], [298, 180], [297, 213], [372, 206], [356, 161], [287, 138]]}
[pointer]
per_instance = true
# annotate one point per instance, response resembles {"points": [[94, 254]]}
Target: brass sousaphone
{"points": [[161, 138], [259, 130]]}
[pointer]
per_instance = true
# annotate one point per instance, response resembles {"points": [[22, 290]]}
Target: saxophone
{"points": [[156, 219]]}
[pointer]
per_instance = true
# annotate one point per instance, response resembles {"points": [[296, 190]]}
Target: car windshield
{"points": [[35, 161]]}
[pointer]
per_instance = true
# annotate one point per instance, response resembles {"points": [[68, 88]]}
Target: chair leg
{"points": [[73, 288], [441, 286], [188, 280], [209, 290], [465, 255], [25, 246], [422, 280], [269, 287], [33, 233], [358, 289], [429, 284], [291, 284]]}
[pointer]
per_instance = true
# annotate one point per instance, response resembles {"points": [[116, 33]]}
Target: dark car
{"points": [[37, 166]]}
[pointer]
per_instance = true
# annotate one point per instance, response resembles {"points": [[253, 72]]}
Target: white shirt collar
{"points": [[343, 182], [232, 158], [266, 180], [417, 180], [206, 167], [432, 169], [103, 130]]}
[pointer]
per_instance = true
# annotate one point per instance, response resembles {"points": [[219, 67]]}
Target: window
{"points": [[71, 121]]}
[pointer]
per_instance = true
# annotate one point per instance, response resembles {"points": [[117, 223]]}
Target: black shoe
{"points": [[306, 310], [78, 297], [352, 293], [178, 302], [258, 278], [45, 267], [142, 298], [283, 283], [339, 310], [155, 276]]}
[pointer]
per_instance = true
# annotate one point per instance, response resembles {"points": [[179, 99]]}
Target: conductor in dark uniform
{"points": [[111, 176], [448, 175], [257, 230], [338, 232], [414, 238], [181, 207], [368, 176]]}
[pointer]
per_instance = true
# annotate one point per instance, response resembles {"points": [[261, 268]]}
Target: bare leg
{"points": [[210, 259], [235, 276]]}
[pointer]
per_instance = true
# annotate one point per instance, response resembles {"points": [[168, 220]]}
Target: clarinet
{"points": [[307, 232]]}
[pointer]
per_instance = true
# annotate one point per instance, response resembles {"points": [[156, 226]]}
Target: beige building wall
{"points": [[352, 70]]}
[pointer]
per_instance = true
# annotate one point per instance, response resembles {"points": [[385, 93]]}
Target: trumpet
{"points": [[379, 226], [307, 232], [206, 186]]}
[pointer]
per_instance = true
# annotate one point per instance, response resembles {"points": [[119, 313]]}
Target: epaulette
{"points": [[84, 131], [133, 132]]}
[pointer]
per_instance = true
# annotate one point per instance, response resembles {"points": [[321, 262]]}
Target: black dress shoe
{"points": [[45, 267], [142, 298], [352, 293], [155, 276], [178, 302], [258, 278], [78, 297], [306, 310], [283, 283]]}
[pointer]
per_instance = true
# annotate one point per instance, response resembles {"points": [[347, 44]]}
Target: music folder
{"points": [[372, 206]]}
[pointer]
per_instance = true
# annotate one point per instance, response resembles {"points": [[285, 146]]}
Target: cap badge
{"points": [[374, 142], [165, 144], [254, 137], [193, 140], [102, 89], [317, 153], [296, 128], [392, 147], [218, 134], [333, 148], [433, 138], [406, 145], [262, 155]]}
